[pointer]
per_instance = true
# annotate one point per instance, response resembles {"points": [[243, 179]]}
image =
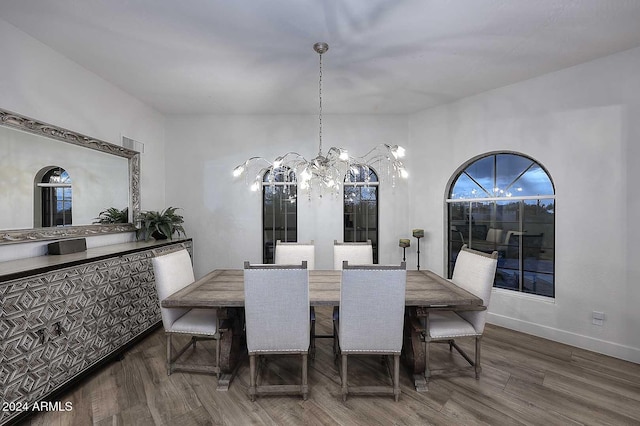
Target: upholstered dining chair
{"points": [[173, 271], [356, 253], [372, 300], [293, 254], [360, 253], [276, 321], [473, 271]]}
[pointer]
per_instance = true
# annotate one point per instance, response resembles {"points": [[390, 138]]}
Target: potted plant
{"points": [[112, 215], [160, 225]]}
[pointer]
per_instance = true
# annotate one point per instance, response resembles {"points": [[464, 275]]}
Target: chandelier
{"points": [[326, 173]]}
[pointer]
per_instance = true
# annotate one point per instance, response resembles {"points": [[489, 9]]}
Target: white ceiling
{"points": [[256, 56]]}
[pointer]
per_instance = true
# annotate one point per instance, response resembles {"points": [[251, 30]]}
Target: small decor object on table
{"points": [[418, 233], [404, 243], [160, 225]]}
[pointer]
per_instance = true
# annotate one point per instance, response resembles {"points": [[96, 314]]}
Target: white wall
{"points": [[38, 82], [583, 125], [225, 217]]}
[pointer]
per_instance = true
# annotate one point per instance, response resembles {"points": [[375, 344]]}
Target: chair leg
{"points": [[169, 354], [252, 377], [313, 339], [477, 366], [396, 376], [345, 388], [305, 385], [427, 372], [218, 356]]}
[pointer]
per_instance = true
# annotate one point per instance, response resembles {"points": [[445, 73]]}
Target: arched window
{"points": [[279, 210], [55, 200], [361, 207], [506, 202]]}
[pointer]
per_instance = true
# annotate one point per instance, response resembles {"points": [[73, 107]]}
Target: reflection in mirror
{"points": [[58, 182], [54, 192]]}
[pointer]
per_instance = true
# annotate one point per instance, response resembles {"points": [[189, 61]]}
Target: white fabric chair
{"points": [[293, 254], [277, 320], [355, 253], [372, 300], [494, 235], [173, 271], [473, 271]]}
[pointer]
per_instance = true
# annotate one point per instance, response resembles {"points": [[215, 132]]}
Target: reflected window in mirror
{"points": [[54, 191], [279, 210], [361, 207]]}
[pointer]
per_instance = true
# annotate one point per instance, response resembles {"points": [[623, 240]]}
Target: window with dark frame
{"points": [[506, 202], [56, 196], [360, 217], [279, 211]]}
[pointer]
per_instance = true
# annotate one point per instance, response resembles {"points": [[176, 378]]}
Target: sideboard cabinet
{"points": [[62, 316]]}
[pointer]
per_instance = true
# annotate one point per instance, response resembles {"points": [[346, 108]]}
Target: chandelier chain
{"points": [[320, 110]]}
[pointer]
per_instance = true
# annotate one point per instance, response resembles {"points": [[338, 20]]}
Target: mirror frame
{"points": [[26, 124]]}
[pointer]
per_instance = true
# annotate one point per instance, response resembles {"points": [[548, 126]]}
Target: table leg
{"points": [[232, 345], [413, 348]]}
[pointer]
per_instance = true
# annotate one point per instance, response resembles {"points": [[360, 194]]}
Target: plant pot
{"points": [[158, 235]]}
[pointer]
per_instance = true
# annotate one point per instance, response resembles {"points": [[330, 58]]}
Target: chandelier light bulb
{"points": [[238, 171]]}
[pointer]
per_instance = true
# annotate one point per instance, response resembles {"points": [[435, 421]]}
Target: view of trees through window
{"points": [[506, 202]]}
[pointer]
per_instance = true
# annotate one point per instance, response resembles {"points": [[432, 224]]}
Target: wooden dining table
{"points": [[223, 289]]}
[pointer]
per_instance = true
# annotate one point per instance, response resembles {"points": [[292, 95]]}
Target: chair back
{"points": [[173, 271], [372, 301], [475, 272], [494, 235], [294, 253], [354, 253], [276, 307]]}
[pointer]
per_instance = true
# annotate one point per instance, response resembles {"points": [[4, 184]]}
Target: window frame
{"points": [[540, 251], [288, 182], [351, 181]]}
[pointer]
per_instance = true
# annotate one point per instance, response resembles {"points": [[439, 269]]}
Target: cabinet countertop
{"points": [[21, 268]]}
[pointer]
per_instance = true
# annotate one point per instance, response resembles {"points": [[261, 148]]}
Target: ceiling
{"points": [[385, 57]]}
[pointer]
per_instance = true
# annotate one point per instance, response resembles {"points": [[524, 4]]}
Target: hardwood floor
{"points": [[525, 380]]}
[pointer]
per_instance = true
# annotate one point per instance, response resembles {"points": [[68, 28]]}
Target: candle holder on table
{"points": [[404, 243], [418, 233]]}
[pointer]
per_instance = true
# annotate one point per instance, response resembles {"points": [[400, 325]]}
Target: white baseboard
{"points": [[613, 349]]}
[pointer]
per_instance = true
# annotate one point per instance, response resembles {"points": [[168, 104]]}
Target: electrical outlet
{"points": [[597, 318]]}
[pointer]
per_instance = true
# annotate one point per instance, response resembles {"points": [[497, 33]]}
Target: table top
{"points": [[225, 288]]}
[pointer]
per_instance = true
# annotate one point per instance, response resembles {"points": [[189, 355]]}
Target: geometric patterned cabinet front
{"points": [[58, 324]]}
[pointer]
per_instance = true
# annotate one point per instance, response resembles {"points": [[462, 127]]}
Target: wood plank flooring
{"points": [[525, 380]]}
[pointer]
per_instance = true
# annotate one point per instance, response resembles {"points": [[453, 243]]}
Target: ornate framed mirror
{"points": [[57, 182]]}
